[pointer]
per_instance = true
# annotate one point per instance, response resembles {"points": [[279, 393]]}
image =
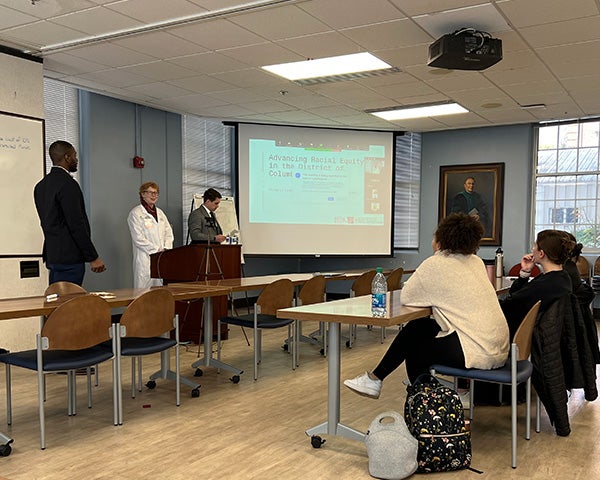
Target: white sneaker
{"points": [[364, 385]]}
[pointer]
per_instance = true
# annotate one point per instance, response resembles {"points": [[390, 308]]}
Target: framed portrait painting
{"points": [[477, 190]]}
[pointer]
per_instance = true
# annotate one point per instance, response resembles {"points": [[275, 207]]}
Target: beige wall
{"points": [[21, 92]]}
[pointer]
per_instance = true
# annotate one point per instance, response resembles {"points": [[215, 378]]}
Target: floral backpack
{"points": [[434, 415]]}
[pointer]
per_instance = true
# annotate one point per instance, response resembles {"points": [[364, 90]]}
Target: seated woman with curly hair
{"points": [[467, 328]]}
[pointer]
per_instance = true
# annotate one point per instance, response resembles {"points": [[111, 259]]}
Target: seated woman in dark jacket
{"points": [[551, 250]]}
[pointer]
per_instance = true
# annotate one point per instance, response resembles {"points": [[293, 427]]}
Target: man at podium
{"points": [[202, 222]]}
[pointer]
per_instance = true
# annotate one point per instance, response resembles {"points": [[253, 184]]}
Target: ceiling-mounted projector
{"points": [[465, 49]]}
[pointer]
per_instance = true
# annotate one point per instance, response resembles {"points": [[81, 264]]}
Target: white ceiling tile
{"points": [[321, 45], [95, 21], [412, 7], [39, 34], [47, 8], [160, 44], [150, 11], [110, 54], [159, 90], [208, 63], [13, 18], [569, 31], [482, 17], [238, 95], [262, 54], [159, 71], [523, 13], [115, 78], [398, 33], [266, 23], [267, 106], [217, 34], [351, 13], [252, 77], [201, 84], [70, 65]]}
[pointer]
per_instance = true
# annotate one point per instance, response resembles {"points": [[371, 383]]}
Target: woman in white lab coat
{"points": [[151, 232]]}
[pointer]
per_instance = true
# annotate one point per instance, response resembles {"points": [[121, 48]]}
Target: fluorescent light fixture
{"points": [[324, 67], [419, 111]]}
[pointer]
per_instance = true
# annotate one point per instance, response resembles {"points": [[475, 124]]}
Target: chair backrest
{"points": [[584, 267], [525, 332], [394, 279], [515, 269], [276, 295], [312, 291], [149, 315], [64, 288], [362, 285], [80, 322], [597, 266]]}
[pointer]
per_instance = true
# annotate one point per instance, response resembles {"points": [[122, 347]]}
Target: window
{"points": [[61, 112], [407, 191], [206, 160], [567, 179]]}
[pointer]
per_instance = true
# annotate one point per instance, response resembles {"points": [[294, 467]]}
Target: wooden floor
{"points": [[255, 430]]}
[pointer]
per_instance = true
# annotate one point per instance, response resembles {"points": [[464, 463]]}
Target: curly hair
{"points": [[556, 244], [576, 253], [459, 233]]}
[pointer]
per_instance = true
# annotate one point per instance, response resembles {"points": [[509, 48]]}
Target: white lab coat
{"points": [[147, 236]]}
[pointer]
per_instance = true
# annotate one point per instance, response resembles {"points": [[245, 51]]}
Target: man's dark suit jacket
{"points": [[60, 206]]}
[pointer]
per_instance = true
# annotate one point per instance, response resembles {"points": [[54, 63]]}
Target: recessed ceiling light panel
{"points": [[325, 67], [419, 111]]}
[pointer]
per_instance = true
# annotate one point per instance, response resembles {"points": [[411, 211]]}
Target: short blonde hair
{"points": [[147, 185]]}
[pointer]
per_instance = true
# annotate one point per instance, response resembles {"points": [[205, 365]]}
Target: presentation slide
{"points": [[315, 191]]}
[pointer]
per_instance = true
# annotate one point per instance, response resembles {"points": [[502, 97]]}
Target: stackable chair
{"points": [[276, 295], [515, 269], [71, 338], [311, 292], [584, 268], [361, 286], [518, 369], [144, 329], [68, 288]]}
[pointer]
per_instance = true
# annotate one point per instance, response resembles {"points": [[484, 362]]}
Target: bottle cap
{"points": [[379, 270]]}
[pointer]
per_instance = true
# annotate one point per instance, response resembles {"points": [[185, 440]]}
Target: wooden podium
{"points": [[192, 263]]}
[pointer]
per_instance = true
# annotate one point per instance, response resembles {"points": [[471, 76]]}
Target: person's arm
{"points": [[135, 221]]}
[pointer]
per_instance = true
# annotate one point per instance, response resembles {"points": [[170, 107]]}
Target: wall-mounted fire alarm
{"points": [[138, 162]]}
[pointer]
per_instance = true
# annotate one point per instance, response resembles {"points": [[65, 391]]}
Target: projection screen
{"points": [[315, 191]]}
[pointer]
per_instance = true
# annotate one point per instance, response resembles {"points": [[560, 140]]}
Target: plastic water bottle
{"points": [[499, 263], [378, 294]]}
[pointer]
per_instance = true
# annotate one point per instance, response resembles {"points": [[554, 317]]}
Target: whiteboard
{"points": [[226, 216], [21, 167]]}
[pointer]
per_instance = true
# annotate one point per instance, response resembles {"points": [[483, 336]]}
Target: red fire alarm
{"points": [[138, 162]]}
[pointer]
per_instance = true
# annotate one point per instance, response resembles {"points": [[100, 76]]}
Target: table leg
{"points": [[208, 360], [333, 426]]}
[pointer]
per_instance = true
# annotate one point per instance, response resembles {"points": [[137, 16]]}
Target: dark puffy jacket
{"points": [[563, 358]]}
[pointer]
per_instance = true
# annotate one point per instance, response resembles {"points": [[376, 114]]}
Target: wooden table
{"points": [[38, 306], [355, 310]]}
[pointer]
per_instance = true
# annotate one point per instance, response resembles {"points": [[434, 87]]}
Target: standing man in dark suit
{"points": [[67, 235], [202, 222]]}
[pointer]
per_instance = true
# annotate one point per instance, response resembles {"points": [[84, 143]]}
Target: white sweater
{"points": [[463, 300]]}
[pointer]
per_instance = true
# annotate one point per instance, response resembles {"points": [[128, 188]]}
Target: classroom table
{"points": [[12, 308], [355, 310], [245, 284]]}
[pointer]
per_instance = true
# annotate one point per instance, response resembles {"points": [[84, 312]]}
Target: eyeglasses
{"points": [[149, 192]]}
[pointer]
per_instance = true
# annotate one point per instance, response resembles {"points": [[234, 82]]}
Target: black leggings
{"points": [[417, 344]]}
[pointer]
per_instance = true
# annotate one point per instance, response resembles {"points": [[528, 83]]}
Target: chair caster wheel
{"points": [[285, 347], [198, 372], [235, 379], [316, 441], [5, 450], [196, 392], [348, 344], [151, 384], [322, 351]]}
